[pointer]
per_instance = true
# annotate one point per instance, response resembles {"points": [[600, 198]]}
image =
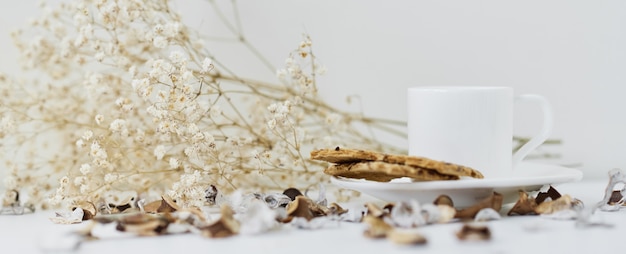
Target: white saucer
{"points": [[466, 192]]}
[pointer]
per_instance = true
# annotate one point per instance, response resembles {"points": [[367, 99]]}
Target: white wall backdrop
{"points": [[571, 51]]}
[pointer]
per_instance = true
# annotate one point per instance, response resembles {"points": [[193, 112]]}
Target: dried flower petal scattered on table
{"points": [[474, 232], [72, 217], [616, 177], [548, 207], [375, 210], [376, 227], [494, 201], [547, 193], [404, 237], [524, 205], [292, 193], [616, 198], [224, 227], [89, 210], [304, 207]]}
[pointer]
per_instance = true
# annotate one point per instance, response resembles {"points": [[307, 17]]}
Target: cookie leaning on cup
{"points": [[383, 167]]}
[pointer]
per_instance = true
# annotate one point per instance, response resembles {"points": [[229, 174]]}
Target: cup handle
{"points": [[543, 135]]}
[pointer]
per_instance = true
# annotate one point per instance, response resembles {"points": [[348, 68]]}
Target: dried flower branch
{"points": [[130, 100]]}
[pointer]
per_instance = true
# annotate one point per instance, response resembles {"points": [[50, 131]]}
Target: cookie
{"points": [[384, 172], [340, 156]]}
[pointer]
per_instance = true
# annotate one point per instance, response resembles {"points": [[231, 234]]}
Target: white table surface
{"points": [[34, 233]]}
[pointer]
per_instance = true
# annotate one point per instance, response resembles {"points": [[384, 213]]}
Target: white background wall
{"points": [[571, 51]]}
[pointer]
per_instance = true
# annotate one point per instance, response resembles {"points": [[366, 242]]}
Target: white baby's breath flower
{"points": [[80, 143], [207, 65], [174, 163], [177, 57], [271, 124], [87, 135], [159, 152], [99, 56], [118, 125], [99, 119], [160, 42], [110, 178], [85, 169]]}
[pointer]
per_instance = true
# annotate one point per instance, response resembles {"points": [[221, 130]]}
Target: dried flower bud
{"points": [[474, 232]]}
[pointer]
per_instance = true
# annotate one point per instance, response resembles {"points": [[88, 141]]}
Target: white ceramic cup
{"points": [[471, 126]]}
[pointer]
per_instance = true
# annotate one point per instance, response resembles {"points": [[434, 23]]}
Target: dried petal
{"points": [[210, 194], [153, 206], [167, 205], [374, 210], [487, 214], [444, 200], [143, 224], [525, 205], [494, 201], [224, 227], [616, 198], [376, 227], [406, 237], [305, 208], [474, 232], [292, 193], [616, 177], [336, 209], [89, 210], [548, 207], [551, 193], [73, 217]]}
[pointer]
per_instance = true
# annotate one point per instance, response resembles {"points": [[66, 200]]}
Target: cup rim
{"points": [[458, 88]]}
